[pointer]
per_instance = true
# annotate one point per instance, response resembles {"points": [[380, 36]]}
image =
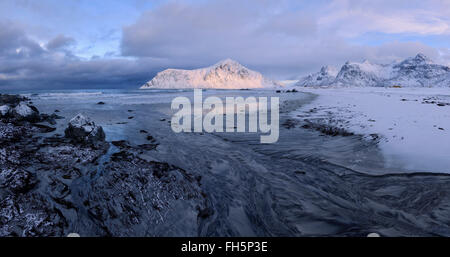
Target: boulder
{"points": [[26, 112], [18, 111], [4, 110], [16, 180], [81, 129]]}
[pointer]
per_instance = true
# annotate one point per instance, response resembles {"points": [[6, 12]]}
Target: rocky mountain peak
{"points": [[419, 59], [422, 58], [328, 70], [227, 62]]}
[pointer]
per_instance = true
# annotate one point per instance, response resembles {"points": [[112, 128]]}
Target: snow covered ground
{"points": [[412, 125]]}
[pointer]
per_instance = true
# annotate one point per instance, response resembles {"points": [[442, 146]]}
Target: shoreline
{"points": [[415, 142], [233, 186]]}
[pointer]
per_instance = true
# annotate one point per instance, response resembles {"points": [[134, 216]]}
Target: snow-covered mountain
{"points": [[362, 74], [418, 71], [325, 76], [227, 74]]}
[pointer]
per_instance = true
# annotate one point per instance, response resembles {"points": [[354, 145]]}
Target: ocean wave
{"points": [[67, 94]]}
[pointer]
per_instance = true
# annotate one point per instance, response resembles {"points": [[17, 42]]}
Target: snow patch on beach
{"points": [[412, 125]]}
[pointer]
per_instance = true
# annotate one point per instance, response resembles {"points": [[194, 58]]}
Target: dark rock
{"points": [[30, 215], [122, 144], [44, 128], [16, 180], [151, 194], [9, 132], [51, 119], [327, 129], [148, 147], [121, 156], [375, 136], [150, 138], [82, 130], [205, 213], [289, 123], [58, 189], [20, 112], [11, 99]]}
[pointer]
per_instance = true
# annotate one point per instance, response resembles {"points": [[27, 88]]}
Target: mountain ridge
{"points": [[226, 74], [418, 71]]}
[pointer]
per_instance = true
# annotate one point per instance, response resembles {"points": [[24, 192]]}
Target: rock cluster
{"points": [[52, 185], [16, 108]]}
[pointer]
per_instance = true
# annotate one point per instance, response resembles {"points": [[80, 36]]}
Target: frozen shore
{"points": [[411, 125]]}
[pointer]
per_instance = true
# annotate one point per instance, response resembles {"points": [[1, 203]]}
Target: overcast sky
{"points": [[123, 43]]}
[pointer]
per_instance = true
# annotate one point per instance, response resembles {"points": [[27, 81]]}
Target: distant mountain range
{"points": [[418, 71], [227, 74]]}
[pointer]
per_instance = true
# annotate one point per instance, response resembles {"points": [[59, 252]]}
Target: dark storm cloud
{"points": [[60, 42], [15, 44], [24, 63]]}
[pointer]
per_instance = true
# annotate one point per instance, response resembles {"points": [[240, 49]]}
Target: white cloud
{"points": [[352, 18]]}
